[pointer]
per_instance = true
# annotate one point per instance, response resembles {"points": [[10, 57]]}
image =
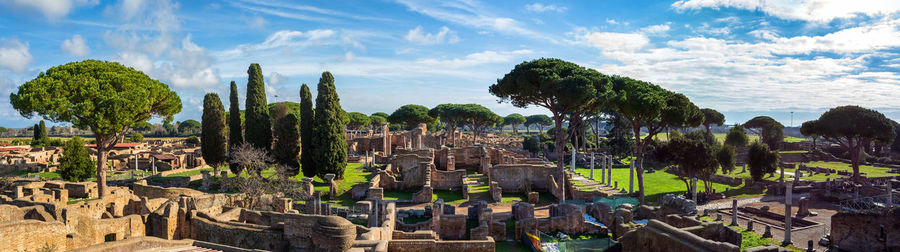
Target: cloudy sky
{"points": [[742, 57]]}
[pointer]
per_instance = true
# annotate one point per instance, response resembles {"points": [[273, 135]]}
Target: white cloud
{"points": [[611, 21], [284, 39], [147, 41], [76, 46], [771, 74], [610, 41], [471, 14], [485, 57], [656, 30], [538, 7], [705, 28], [808, 10], [348, 56], [51, 9], [14, 55], [418, 36], [275, 78]]}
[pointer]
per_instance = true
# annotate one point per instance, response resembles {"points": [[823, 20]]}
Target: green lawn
{"points": [[661, 183], [791, 139], [189, 173], [721, 137]]}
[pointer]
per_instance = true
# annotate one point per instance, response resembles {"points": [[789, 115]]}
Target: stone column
{"points": [[890, 196], [206, 179], [135, 162], [602, 169], [573, 160], [608, 170], [787, 212], [592, 166], [153, 164], [734, 212], [387, 140], [694, 189], [631, 179]]}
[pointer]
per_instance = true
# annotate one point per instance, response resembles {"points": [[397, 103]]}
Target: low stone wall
{"points": [[136, 244], [518, 177], [26, 235], [726, 180], [866, 231], [432, 246], [447, 180], [244, 236], [141, 189]]}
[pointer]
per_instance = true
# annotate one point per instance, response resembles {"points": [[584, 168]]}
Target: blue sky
{"points": [[742, 57]]}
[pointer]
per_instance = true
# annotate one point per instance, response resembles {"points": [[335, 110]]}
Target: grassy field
{"points": [[870, 171], [661, 183], [663, 137], [189, 173]]}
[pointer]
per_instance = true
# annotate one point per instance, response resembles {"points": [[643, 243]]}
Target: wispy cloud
{"points": [[815, 11], [14, 54], [419, 36], [472, 14], [539, 7]]}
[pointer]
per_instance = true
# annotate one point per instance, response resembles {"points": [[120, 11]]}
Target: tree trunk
{"points": [[102, 152], [854, 158], [560, 164], [639, 167]]}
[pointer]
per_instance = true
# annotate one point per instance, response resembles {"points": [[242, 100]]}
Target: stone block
{"points": [[534, 197], [522, 210]]}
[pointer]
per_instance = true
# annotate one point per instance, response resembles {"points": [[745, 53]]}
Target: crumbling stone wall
{"points": [[141, 189], [27, 235], [877, 230], [659, 236], [518, 177]]}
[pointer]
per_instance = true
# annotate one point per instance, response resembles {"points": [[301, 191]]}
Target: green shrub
{"points": [[75, 163]]}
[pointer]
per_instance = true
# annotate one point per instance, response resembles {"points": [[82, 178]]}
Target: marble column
{"points": [[631, 179], [787, 212], [592, 166], [734, 212]]}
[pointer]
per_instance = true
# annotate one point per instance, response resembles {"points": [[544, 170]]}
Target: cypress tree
{"points": [[259, 127], [307, 116], [287, 143], [235, 124], [331, 146], [212, 134], [36, 136]]}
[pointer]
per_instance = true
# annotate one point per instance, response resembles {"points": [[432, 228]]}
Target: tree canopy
{"points": [[235, 124], [189, 127], [695, 157], [377, 120], [771, 132], [258, 131], [539, 120], [644, 104], [105, 97], [358, 120], [514, 120], [712, 117], [479, 118], [452, 115], [761, 160], [307, 129], [411, 115], [736, 137], [330, 145], [565, 88], [852, 127], [213, 144]]}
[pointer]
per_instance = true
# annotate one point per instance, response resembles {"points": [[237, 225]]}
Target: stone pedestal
{"points": [[206, 180], [768, 232], [803, 207], [332, 187], [534, 197], [734, 212], [750, 225]]}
